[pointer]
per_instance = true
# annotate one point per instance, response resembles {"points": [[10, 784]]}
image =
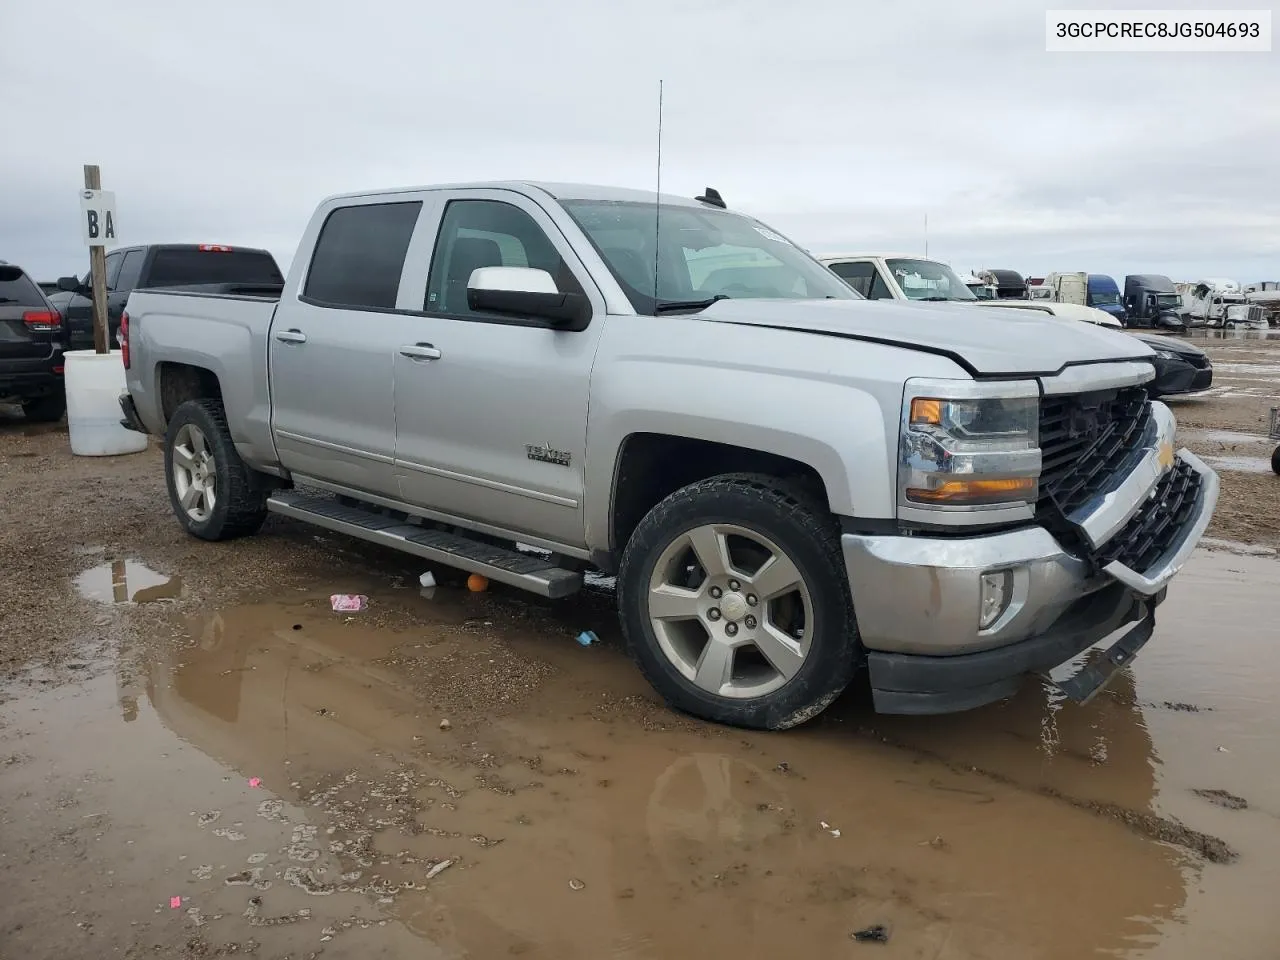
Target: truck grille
{"points": [[1084, 440], [1155, 527]]}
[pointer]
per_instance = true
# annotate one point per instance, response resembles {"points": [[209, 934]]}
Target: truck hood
{"points": [[985, 343]]}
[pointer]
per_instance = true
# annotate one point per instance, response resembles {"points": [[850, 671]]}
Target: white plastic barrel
{"points": [[94, 382]]}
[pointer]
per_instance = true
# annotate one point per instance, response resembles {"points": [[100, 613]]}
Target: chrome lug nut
{"points": [[716, 593], [752, 599], [713, 613], [731, 629], [734, 585], [750, 622]]}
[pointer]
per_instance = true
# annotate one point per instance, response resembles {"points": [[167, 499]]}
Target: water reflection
{"points": [[685, 834]]}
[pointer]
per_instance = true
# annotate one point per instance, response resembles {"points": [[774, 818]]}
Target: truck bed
{"points": [[223, 331]]}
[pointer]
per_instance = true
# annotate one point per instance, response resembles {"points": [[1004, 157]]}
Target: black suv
{"points": [[30, 347]]}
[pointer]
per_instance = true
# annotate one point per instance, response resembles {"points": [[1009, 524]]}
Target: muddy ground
{"points": [[199, 758]]}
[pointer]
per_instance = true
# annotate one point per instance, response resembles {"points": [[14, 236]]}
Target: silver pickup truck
{"points": [[789, 481]]}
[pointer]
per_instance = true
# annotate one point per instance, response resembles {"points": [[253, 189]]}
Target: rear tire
{"points": [[214, 495], [47, 409], [1275, 459], [766, 641]]}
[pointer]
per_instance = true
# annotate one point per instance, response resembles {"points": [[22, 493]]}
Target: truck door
{"points": [[491, 410], [332, 344]]}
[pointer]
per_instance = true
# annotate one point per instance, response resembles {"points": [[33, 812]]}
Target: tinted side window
{"points": [[359, 255], [487, 233], [879, 289], [130, 270], [857, 275], [113, 269]]}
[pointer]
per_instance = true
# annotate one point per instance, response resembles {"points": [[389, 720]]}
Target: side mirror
{"points": [[527, 292], [69, 284]]}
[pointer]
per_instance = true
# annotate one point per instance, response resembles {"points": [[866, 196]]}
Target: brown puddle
{"points": [[128, 581], [563, 814]]}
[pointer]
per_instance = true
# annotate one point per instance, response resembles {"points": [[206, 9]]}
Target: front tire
{"points": [[46, 409], [214, 495], [1275, 459], [735, 604]]}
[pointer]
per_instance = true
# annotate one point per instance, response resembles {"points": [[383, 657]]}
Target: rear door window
{"points": [[130, 270], [359, 255]]}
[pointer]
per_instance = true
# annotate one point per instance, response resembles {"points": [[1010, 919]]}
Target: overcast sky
{"points": [[840, 125]]}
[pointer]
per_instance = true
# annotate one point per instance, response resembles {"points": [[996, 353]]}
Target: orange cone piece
{"points": [[477, 584]]}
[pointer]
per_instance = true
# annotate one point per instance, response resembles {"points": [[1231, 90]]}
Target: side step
{"points": [[511, 567]]}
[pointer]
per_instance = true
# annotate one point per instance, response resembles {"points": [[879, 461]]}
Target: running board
{"points": [[511, 567]]}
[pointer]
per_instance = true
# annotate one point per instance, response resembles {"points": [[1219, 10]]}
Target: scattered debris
{"points": [[441, 867], [937, 843], [428, 579], [255, 781], [477, 584], [877, 934], [587, 637], [576, 884], [1223, 750], [827, 827], [1223, 799], [348, 601], [208, 818], [203, 872], [175, 903], [445, 724], [783, 767]]}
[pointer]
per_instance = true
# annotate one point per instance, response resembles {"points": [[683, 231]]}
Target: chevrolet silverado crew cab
{"points": [[790, 482]]}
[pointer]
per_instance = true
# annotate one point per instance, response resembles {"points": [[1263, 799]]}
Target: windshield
{"points": [[981, 291], [928, 280], [1171, 300], [1104, 299], [702, 255]]}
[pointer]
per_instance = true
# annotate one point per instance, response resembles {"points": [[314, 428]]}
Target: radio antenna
{"points": [[657, 202]]}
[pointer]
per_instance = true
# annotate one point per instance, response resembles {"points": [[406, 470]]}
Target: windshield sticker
{"points": [[770, 235]]}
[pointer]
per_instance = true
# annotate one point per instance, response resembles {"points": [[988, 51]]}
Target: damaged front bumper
{"points": [[919, 599]]}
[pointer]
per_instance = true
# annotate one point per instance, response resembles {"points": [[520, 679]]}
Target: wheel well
{"points": [[653, 466], [180, 382]]}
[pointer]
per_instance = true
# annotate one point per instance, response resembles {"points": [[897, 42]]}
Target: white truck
{"points": [[1219, 302], [790, 483]]}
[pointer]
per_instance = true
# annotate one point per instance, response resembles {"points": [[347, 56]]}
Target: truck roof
{"points": [[1154, 282], [560, 191]]}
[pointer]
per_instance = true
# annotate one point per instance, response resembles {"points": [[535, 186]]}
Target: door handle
{"points": [[291, 336], [420, 351]]}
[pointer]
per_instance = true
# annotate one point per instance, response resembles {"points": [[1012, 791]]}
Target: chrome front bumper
{"points": [[921, 595]]}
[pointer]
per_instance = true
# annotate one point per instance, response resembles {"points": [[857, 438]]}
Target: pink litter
{"points": [[255, 781], [348, 601], [175, 903]]}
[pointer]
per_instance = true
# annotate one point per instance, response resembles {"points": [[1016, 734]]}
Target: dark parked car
{"points": [[169, 265], [1180, 367], [1150, 300], [30, 347]]}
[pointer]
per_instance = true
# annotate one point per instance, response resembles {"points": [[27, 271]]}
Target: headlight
{"points": [[969, 448], [1166, 355]]}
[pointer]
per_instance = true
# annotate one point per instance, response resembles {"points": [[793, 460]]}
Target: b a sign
{"points": [[98, 218]]}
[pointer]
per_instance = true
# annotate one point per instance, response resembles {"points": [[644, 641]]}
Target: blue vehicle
{"points": [[1104, 294]]}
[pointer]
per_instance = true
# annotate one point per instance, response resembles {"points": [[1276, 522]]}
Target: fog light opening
{"points": [[997, 591]]}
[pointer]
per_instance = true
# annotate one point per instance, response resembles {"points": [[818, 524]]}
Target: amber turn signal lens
{"points": [[973, 491], [926, 411]]}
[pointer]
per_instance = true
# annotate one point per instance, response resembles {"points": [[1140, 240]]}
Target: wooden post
{"points": [[98, 270]]}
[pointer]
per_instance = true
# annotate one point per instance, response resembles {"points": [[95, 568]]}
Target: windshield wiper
{"points": [[674, 306]]}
